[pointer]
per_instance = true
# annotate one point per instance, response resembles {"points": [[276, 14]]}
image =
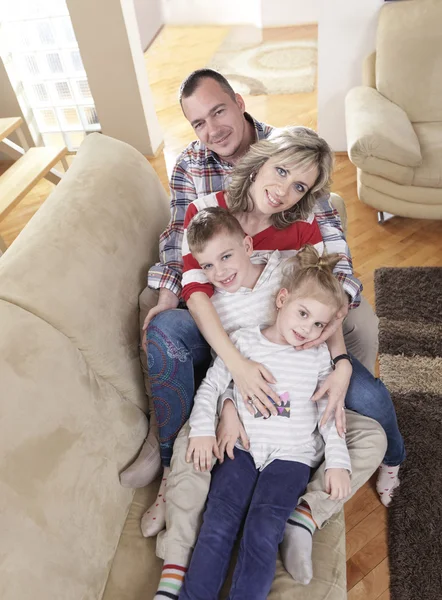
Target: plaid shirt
{"points": [[198, 172]]}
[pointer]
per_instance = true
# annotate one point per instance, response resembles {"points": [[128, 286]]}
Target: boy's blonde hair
{"points": [[210, 222], [310, 275], [293, 147]]}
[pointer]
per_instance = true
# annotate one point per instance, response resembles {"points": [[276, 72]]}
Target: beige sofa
{"points": [[394, 121], [72, 400]]}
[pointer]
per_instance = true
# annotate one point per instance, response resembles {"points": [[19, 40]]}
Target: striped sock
{"points": [[171, 582], [302, 517], [296, 548]]}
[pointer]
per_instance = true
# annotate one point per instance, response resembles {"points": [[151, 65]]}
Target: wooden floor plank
{"points": [[373, 585]]}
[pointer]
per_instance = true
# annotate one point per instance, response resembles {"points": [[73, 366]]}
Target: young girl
{"points": [[264, 483]]}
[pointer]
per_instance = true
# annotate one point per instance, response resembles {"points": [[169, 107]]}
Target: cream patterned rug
{"points": [[257, 67]]}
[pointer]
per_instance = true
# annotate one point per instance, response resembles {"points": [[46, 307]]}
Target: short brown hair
{"points": [[310, 274], [192, 81], [208, 223], [299, 146]]}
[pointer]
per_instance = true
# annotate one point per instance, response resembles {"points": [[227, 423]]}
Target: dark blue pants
{"points": [[178, 357], [265, 499]]}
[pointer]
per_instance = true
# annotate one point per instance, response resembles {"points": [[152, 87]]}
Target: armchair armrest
{"points": [[377, 128]]}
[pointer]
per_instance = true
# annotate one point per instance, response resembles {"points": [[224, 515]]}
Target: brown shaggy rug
{"points": [[409, 305]]}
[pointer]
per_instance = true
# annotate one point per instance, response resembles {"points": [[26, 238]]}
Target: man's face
{"points": [[217, 119]]}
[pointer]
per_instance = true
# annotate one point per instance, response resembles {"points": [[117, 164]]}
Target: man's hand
{"points": [[328, 330], [166, 301], [202, 449], [337, 483], [336, 386], [229, 430], [252, 380]]}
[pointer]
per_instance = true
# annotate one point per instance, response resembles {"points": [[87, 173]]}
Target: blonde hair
{"points": [[310, 275], [292, 146]]}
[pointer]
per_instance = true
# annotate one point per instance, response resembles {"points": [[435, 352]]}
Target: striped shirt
{"points": [[289, 239], [294, 434], [198, 172]]}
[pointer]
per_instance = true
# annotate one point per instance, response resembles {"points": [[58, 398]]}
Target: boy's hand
{"points": [[229, 430], [202, 449], [252, 380], [337, 483], [335, 386], [166, 301]]}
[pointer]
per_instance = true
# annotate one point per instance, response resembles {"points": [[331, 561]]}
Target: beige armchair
{"points": [[394, 120]]}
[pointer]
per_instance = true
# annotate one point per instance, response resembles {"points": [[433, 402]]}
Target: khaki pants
{"points": [[361, 329], [187, 489]]}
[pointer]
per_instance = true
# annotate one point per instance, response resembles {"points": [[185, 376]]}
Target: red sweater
{"points": [[291, 238]]}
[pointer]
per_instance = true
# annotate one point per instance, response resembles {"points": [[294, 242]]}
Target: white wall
{"points": [[209, 12], [149, 18], [346, 36], [283, 13]]}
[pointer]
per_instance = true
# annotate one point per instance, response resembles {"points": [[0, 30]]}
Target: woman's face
{"points": [[277, 188]]}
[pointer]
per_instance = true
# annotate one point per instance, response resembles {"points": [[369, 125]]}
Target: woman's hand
{"points": [[202, 449], [229, 430], [336, 386], [328, 330], [337, 484], [166, 301], [252, 379]]}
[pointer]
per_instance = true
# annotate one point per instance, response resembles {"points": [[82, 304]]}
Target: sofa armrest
{"points": [[377, 128]]}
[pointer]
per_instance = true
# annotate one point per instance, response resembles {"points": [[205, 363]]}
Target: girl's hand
{"points": [[252, 379], [328, 330], [229, 430], [336, 386], [337, 484], [202, 449]]}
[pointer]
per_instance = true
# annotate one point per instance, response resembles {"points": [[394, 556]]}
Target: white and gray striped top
{"points": [[292, 435]]}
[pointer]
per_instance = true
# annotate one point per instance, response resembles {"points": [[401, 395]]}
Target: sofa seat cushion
{"points": [[424, 196], [136, 570], [429, 173]]}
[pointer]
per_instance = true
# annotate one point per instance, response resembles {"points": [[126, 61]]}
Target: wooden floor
{"points": [[400, 242]]}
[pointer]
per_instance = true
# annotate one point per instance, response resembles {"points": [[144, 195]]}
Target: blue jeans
{"points": [[368, 396], [177, 360], [267, 498], [178, 357]]}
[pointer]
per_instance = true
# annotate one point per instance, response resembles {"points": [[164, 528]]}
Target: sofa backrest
{"points": [[409, 57], [82, 261], [71, 385]]}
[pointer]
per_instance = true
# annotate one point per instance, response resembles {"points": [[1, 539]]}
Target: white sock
{"points": [[147, 465], [296, 547], [388, 481], [154, 519]]}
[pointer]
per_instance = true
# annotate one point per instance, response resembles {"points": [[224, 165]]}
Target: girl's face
{"points": [[300, 320], [277, 188]]}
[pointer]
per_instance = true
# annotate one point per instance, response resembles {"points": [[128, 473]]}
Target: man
{"points": [[225, 132]]}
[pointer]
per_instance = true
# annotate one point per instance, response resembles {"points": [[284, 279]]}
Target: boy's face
{"points": [[301, 320], [225, 261]]}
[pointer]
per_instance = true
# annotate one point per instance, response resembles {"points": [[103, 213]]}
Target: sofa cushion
{"points": [[82, 261], [429, 173], [409, 57], [65, 435], [136, 570]]}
